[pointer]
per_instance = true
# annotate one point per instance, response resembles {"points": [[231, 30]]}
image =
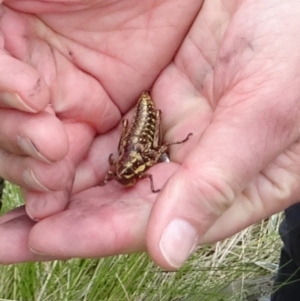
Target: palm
{"points": [[92, 53]]}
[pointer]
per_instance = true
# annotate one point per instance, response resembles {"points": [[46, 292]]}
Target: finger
{"points": [[101, 221], [21, 87], [91, 233], [14, 232], [232, 150], [35, 175], [41, 136], [14, 213], [39, 176], [42, 204], [56, 175], [92, 169]]}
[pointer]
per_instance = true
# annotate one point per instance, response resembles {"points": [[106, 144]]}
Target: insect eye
{"points": [[126, 172]]}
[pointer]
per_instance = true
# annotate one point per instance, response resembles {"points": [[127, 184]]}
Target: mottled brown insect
{"points": [[140, 145]]}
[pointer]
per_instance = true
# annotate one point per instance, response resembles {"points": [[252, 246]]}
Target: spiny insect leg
{"points": [[159, 152], [123, 134], [108, 177], [148, 175], [157, 133], [179, 142]]}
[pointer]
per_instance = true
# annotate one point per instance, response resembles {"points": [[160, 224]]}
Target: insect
{"points": [[140, 145]]}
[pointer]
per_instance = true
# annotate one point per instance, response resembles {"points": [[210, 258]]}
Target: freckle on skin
{"points": [[37, 86]]}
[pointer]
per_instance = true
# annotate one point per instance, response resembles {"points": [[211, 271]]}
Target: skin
{"points": [[74, 63], [234, 82]]}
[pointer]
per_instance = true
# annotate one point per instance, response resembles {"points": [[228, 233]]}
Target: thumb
{"points": [[230, 153]]}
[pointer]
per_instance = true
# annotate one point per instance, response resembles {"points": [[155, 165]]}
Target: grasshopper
{"points": [[140, 145]]}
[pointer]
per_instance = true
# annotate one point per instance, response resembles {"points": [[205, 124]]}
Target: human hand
{"points": [[68, 67], [235, 85], [245, 166], [86, 63], [236, 90]]}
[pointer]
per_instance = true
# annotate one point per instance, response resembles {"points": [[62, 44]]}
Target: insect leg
{"points": [[179, 142], [152, 156], [157, 133], [163, 149], [123, 134], [108, 177], [148, 175]]}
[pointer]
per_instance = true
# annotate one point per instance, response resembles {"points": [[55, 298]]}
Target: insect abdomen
{"points": [[144, 121]]}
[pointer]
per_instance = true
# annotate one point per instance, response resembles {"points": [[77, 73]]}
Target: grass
{"points": [[214, 273]]}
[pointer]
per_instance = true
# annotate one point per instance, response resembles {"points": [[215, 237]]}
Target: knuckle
{"points": [[214, 193]]}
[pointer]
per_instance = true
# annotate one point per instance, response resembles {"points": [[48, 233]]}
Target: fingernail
{"points": [[30, 179], [38, 252], [44, 256], [178, 241], [29, 148], [30, 216], [13, 100], [47, 256]]}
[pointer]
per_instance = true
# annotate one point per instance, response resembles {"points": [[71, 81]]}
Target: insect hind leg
{"points": [[181, 141]]}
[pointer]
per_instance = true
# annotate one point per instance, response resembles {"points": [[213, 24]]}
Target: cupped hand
{"points": [[234, 83], [70, 70], [243, 59]]}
